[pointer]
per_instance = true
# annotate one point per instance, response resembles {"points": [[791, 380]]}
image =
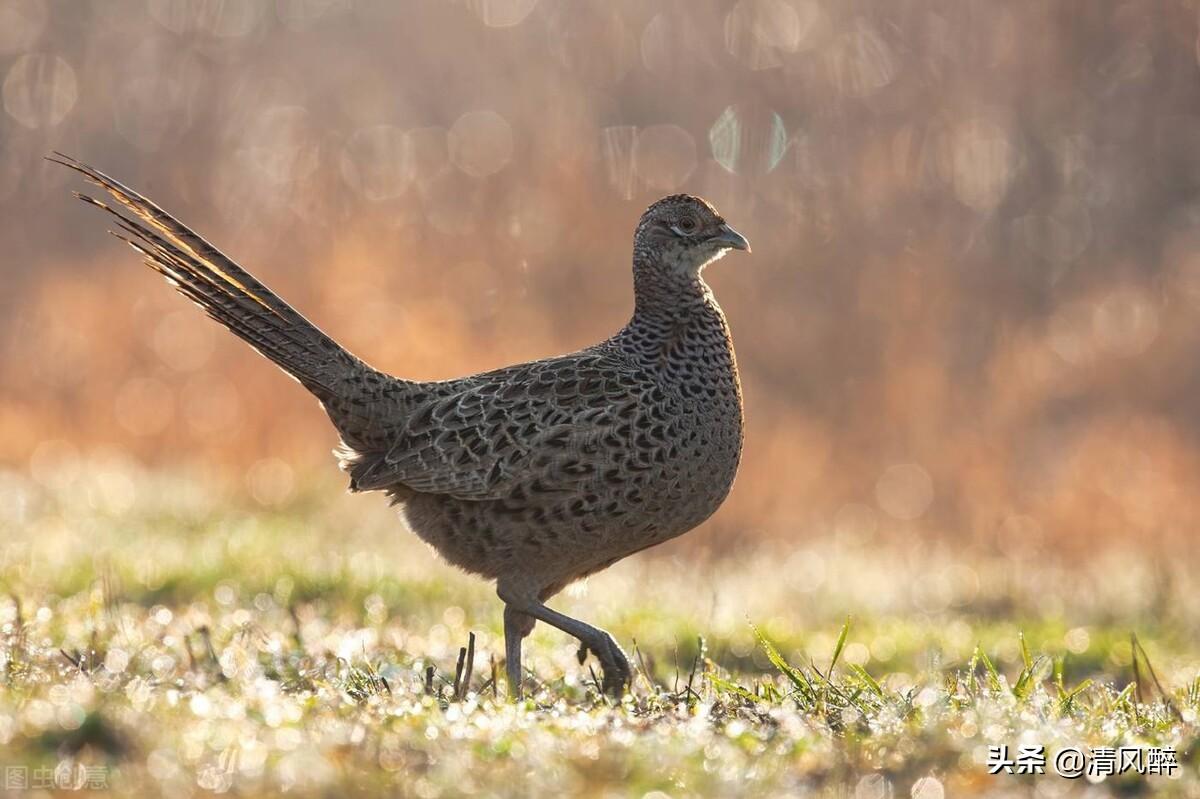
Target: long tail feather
{"points": [[225, 291]]}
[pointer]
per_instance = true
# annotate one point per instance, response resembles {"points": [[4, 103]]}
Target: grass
{"points": [[180, 641]]}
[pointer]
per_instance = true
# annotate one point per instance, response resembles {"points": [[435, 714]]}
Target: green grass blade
{"points": [[993, 675], [727, 687], [840, 645], [797, 678], [1066, 703], [865, 676]]}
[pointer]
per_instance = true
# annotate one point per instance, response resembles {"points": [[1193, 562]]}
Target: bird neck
{"points": [[669, 295]]}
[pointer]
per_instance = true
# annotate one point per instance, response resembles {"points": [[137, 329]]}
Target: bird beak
{"points": [[728, 237]]}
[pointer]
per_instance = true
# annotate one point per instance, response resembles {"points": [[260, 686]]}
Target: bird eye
{"points": [[687, 225]]}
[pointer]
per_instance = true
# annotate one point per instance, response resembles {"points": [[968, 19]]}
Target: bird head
{"points": [[684, 233]]}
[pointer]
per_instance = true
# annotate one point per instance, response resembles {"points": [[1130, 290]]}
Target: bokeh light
{"points": [[39, 90], [501, 13], [215, 17], [480, 143], [970, 310], [379, 162], [760, 32], [904, 491], [861, 61], [748, 139]]}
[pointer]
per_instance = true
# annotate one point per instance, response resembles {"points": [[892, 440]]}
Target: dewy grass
{"points": [[202, 646]]}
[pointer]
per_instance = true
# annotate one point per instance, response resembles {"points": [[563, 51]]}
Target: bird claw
{"points": [[614, 664], [616, 678]]}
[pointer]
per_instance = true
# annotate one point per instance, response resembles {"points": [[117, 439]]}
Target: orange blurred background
{"points": [[972, 311]]}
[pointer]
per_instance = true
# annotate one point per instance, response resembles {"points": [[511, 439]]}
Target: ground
{"points": [[161, 637]]}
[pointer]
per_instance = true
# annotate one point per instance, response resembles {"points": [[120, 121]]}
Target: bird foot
{"points": [[613, 663]]}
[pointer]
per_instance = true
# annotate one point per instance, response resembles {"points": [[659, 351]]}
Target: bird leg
{"points": [[612, 659], [517, 625]]}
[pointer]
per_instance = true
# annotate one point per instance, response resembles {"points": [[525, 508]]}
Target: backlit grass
{"points": [[180, 641]]}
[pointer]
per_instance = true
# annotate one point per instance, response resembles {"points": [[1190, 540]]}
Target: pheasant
{"points": [[534, 475]]}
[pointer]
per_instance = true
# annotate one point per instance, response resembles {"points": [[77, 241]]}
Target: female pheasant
{"points": [[534, 475]]}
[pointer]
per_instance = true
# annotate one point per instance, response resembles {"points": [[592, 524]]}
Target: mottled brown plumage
{"points": [[534, 475]]}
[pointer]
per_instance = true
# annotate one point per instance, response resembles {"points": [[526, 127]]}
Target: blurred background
{"points": [[972, 312]]}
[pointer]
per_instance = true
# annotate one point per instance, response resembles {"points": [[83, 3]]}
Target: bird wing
{"points": [[536, 427]]}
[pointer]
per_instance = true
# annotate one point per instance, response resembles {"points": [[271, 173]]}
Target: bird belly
{"points": [[582, 526]]}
